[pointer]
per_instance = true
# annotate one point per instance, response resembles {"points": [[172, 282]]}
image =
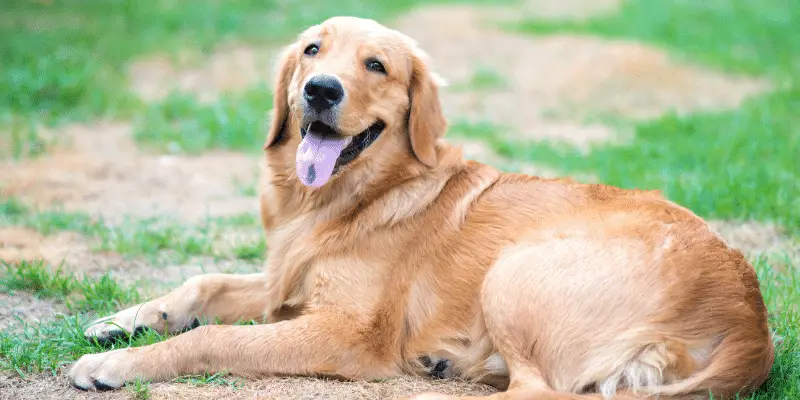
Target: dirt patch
{"points": [[71, 250], [48, 387], [25, 307], [567, 9], [310, 388], [545, 78], [100, 172], [228, 69], [74, 254], [756, 238]]}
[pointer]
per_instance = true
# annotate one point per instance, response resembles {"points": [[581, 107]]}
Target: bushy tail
{"points": [[737, 366]]}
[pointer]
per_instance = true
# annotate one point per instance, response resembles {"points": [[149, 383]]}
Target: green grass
{"points": [[250, 251], [101, 294], [140, 389], [780, 285], [182, 124], [157, 239], [217, 379], [483, 78], [32, 277], [46, 346]]}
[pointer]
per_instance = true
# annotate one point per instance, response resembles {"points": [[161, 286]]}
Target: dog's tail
{"points": [[736, 367]]}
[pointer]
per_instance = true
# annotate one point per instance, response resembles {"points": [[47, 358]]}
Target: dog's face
{"points": [[344, 85]]}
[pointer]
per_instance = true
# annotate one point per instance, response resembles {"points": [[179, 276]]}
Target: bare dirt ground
{"points": [[542, 88], [74, 253], [568, 9], [100, 171], [271, 388], [757, 239], [549, 84], [25, 307]]}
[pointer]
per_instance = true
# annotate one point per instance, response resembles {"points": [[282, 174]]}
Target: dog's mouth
{"points": [[323, 150]]}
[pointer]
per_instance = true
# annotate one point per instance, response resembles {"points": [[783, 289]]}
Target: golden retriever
{"points": [[390, 254]]}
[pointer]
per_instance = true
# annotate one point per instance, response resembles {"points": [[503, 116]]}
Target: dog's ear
{"points": [[286, 65], [426, 122]]}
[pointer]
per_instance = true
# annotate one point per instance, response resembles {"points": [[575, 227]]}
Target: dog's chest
{"points": [[347, 283]]}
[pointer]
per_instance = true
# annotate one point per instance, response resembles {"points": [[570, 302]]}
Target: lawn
{"points": [[64, 62]]}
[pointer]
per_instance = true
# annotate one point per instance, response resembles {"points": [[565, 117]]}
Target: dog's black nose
{"points": [[323, 92]]}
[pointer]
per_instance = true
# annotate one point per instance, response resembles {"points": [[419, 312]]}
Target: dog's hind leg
{"points": [[227, 298], [575, 318]]}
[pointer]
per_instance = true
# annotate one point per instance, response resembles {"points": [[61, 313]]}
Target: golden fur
{"points": [[548, 289]]}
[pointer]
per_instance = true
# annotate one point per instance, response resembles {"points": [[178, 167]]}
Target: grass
{"points": [[101, 294], [218, 379], [46, 346], [781, 289], [182, 124], [157, 239], [140, 389], [483, 78], [250, 251]]}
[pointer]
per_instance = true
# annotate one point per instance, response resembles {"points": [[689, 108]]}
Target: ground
{"points": [[123, 176]]}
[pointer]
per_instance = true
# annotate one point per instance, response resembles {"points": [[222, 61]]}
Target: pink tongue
{"points": [[316, 157]]}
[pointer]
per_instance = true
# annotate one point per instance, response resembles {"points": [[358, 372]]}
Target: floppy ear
{"points": [[287, 62], [426, 122]]}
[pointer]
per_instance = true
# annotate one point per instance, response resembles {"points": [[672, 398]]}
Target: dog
{"points": [[389, 254]]}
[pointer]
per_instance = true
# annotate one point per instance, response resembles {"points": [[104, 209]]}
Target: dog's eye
{"points": [[375, 65], [311, 50]]}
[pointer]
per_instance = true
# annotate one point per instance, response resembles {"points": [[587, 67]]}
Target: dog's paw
{"points": [[137, 319], [121, 324], [103, 371]]}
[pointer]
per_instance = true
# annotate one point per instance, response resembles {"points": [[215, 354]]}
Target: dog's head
{"points": [[345, 88]]}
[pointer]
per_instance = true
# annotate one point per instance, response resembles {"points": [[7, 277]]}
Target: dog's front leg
{"points": [[317, 344], [224, 297]]}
